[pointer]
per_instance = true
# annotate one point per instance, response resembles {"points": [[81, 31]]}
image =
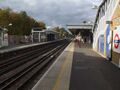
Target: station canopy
{"points": [[83, 28]]}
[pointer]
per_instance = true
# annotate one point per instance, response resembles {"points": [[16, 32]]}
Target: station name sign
{"points": [[116, 39]]}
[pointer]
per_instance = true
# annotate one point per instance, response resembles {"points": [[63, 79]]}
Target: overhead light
{"points": [[10, 24]]}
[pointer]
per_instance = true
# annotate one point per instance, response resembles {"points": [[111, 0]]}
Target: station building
{"points": [[3, 38], [84, 29], [106, 30], [39, 35]]}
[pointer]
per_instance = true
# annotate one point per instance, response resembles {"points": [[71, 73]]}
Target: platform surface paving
{"points": [[80, 69], [92, 72], [58, 75]]}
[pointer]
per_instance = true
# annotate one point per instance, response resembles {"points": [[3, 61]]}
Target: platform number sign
{"points": [[116, 39]]}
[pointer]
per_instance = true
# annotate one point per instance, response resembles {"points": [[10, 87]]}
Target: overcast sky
{"points": [[55, 12]]}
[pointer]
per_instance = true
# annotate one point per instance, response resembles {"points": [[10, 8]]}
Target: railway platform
{"points": [[80, 69], [15, 47], [21, 46]]}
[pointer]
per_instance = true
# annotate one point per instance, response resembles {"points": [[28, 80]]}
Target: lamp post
{"points": [[5, 28], [6, 33], [10, 24]]}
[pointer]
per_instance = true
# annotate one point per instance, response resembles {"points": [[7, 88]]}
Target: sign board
{"points": [[116, 39]]}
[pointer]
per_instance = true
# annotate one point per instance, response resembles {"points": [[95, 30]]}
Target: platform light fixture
{"points": [[10, 24]]}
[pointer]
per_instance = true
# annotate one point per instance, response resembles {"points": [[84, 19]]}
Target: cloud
{"points": [[54, 11]]}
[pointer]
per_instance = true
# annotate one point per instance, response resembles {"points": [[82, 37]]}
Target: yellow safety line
{"points": [[57, 82]]}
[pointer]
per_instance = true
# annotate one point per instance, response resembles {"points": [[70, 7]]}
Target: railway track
{"points": [[16, 72], [22, 50], [23, 58]]}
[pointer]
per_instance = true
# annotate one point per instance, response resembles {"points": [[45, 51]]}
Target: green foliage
{"points": [[62, 32], [4, 17], [21, 22], [42, 25]]}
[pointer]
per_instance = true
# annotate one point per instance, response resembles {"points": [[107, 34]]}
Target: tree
{"points": [[21, 22], [16, 21], [62, 32], [26, 23], [57, 29], [4, 17], [42, 25]]}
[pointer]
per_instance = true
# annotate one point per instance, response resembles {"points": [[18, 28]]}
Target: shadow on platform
{"points": [[90, 71]]}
